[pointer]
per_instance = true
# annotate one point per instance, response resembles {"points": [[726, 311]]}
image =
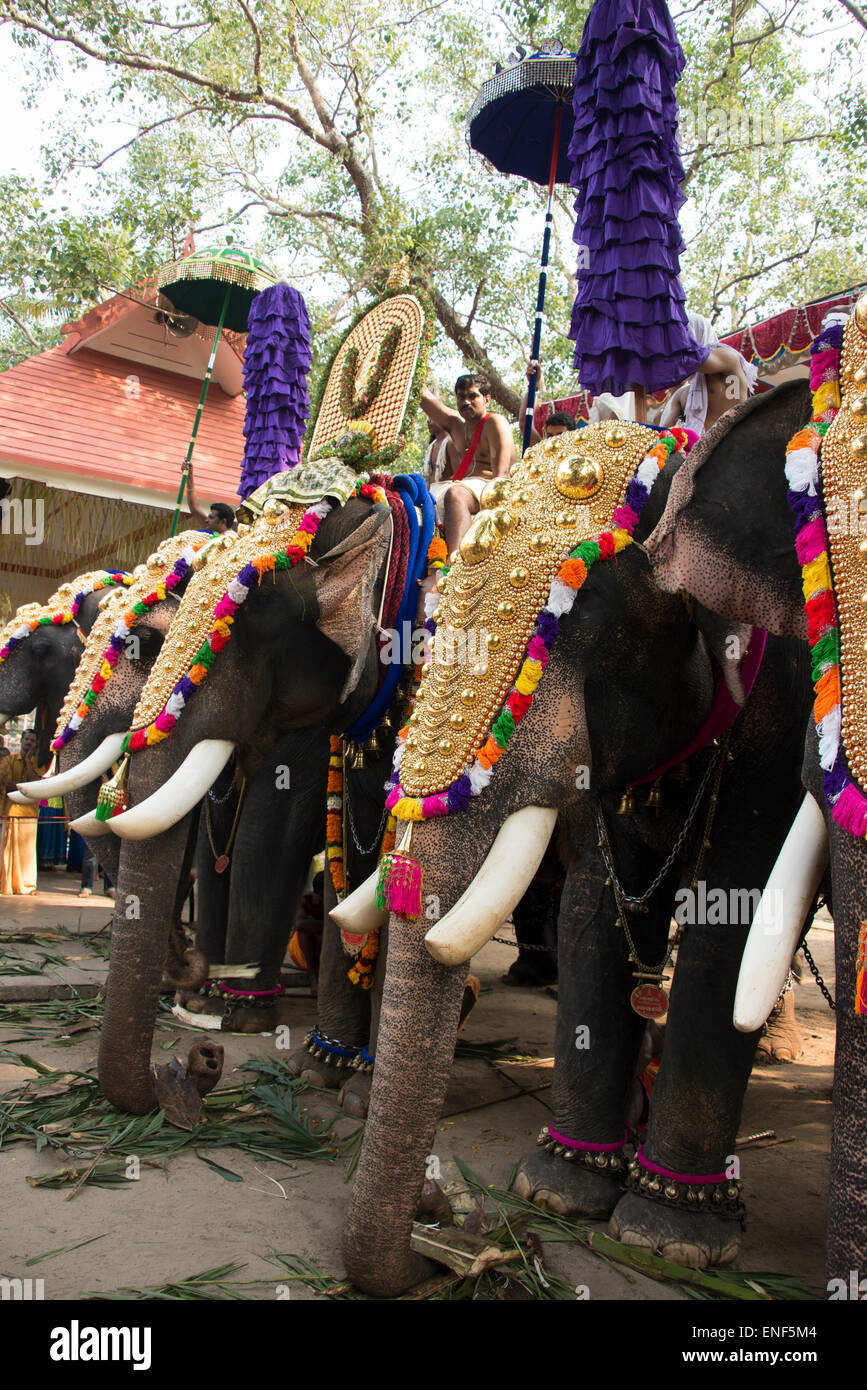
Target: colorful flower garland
{"points": [[361, 970], [564, 590], [354, 407], [848, 804], [63, 615], [117, 641]]}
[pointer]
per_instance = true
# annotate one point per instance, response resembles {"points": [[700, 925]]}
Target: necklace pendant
{"points": [[649, 1000], [221, 864]]}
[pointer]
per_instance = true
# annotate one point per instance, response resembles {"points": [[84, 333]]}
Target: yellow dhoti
{"points": [[18, 866]]}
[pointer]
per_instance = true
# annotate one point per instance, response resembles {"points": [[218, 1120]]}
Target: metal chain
{"points": [[818, 978], [522, 945], [377, 839], [219, 800], [676, 848]]}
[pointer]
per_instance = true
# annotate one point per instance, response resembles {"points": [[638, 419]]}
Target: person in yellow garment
{"points": [[18, 867], [5, 764]]}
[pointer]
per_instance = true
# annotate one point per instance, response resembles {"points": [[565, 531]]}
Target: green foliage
{"points": [[330, 138]]}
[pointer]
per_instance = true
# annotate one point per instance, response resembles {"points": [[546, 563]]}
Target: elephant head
{"points": [[41, 646], [742, 557], [124, 635], [628, 684]]}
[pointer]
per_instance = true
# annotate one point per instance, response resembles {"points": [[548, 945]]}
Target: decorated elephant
{"points": [[120, 648], [242, 916], [727, 535], [40, 648], [281, 674], [626, 694]]}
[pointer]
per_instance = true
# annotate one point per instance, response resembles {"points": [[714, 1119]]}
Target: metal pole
{"points": [[543, 278], [185, 471]]}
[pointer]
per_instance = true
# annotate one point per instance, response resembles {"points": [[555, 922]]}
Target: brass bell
{"points": [[681, 774], [627, 803], [654, 799]]}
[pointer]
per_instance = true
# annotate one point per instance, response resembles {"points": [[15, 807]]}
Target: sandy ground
{"points": [[175, 1223]]}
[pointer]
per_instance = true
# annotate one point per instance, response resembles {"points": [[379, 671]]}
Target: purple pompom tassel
{"points": [[276, 362]]}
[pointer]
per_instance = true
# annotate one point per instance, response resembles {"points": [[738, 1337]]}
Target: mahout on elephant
{"points": [[727, 534], [629, 683]]}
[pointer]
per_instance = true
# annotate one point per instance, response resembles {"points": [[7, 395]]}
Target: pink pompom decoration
{"points": [[850, 811]]}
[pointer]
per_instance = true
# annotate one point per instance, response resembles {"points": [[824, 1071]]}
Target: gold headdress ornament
{"points": [[276, 509], [844, 485], [563, 491], [33, 615], [119, 604]]}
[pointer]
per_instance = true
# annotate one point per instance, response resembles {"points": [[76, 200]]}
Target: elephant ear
{"points": [[726, 533], [349, 582]]}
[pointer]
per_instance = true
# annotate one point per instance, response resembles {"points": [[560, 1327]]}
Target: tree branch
{"points": [[473, 351], [257, 40], [140, 62], [10, 313], [856, 12]]}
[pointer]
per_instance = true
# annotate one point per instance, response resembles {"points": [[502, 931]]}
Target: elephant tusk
{"points": [[176, 797], [780, 917], [88, 826], [19, 799], [497, 888], [358, 911], [81, 775]]}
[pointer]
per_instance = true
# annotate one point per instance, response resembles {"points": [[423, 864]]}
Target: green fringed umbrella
{"points": [[217, 287]]}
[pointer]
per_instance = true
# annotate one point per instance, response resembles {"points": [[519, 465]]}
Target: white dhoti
{"points": [[438, 491]]}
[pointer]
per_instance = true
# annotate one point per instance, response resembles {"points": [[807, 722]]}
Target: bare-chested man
{"points": [[484, 446]]}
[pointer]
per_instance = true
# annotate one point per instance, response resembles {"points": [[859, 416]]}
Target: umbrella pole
{"points": [[543, 279], [185, 471]]}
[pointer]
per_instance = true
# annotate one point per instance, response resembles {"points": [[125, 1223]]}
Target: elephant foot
{"points": [[354, 1096], [187, 972], [529, 974], [566, 1188], [233, 1017], [319, 1071], [205, 1066], [698, 1240], [781, 1040]]}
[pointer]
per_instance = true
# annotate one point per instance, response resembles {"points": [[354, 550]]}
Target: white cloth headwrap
{"points": [[695, 410]]}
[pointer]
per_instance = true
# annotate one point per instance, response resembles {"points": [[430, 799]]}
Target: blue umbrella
{"points": [[521, 121]]}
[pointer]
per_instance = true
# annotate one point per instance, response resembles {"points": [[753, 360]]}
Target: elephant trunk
{"points": [[414, 1047], [418, 1025], [145, 905]]}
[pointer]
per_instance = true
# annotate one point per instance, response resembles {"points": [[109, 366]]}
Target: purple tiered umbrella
{"points": [[629, 318], [276, 362]]}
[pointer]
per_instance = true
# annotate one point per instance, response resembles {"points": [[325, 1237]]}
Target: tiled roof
{"points": [[117, 427]]}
